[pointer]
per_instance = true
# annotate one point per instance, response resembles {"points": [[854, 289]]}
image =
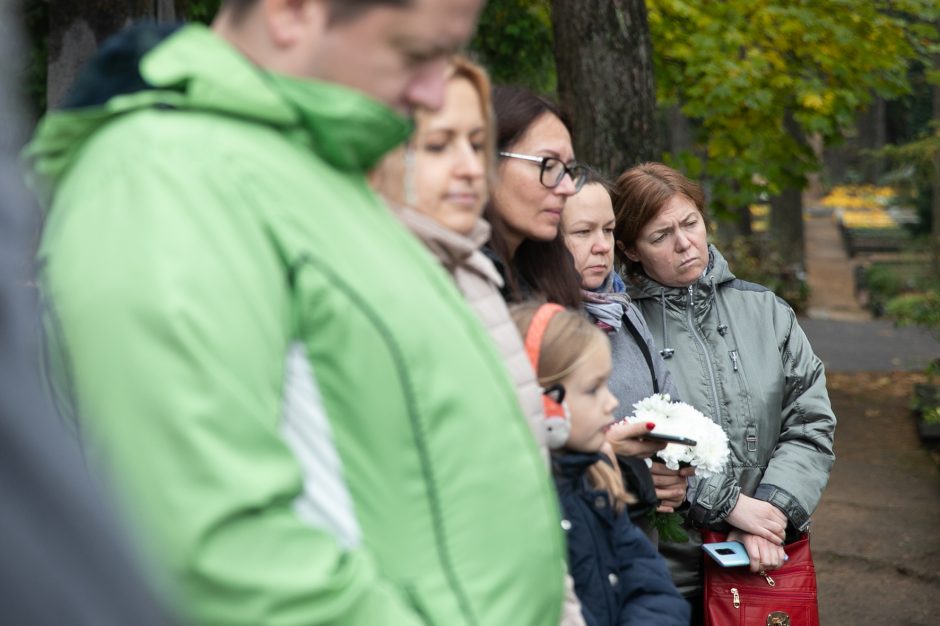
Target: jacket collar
{"points": [[570, 466], [703, 289], [452, 249]]}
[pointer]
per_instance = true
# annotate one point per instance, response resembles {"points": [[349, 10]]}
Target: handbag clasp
{"points": [[778, 618]]}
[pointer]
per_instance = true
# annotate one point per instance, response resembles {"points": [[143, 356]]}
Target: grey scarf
{"points": [[608, 302]]}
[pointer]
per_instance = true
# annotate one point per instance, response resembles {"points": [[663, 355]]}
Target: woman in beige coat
{"points": [[437, 185]]}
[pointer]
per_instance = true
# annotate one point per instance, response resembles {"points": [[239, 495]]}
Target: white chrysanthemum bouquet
{"points": [[708, 456]]}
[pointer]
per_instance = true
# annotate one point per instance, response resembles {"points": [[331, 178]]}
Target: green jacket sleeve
{"points": [[173, 313], [799, 469]]}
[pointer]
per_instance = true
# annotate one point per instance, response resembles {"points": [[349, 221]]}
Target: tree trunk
{"points": [[872, 134], [786, 225], [935, 182], [78, 27], [604, 60], [678, 131], [786, 212]]}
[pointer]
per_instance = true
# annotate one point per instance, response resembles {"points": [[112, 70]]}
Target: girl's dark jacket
{"points": [[618, 575]]}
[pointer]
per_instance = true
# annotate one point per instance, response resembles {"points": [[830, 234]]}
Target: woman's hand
{"points": [[759, 518], [670, 486], [625, 439], [764, 555]]}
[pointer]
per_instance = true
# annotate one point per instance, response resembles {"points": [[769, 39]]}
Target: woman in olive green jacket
{"points": [[737, 354]]}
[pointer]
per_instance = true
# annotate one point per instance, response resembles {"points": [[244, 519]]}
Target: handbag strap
{"points": [[644, 348]]}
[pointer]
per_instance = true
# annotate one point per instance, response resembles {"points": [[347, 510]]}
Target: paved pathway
{"points": [[870, 346], [842, 333], [876, 533], [829, 272]]}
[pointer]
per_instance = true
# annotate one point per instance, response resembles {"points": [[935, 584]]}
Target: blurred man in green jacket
{"points": [[302, 414]]}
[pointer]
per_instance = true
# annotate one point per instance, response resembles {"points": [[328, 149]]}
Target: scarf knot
{"points": [[607, 303]]}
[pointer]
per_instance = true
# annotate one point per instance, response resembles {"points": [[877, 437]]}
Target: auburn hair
{"points": [[640, 193]]}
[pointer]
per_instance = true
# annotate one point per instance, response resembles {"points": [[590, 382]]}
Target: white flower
{"points": [[656, 404], [710, 454]]}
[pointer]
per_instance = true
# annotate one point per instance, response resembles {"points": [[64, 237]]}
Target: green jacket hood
{"points": [[190, 68]]}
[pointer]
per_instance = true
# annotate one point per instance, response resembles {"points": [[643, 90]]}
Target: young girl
{"points": [[618, 575]]}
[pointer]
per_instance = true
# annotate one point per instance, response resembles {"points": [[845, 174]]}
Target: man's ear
{"points": [[290, 22]]}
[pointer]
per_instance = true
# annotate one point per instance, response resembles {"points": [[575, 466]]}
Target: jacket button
{"points": [[565, 524], [600, 502], [613, 579]]}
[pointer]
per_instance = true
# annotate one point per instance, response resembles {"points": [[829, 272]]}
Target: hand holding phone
{"points": [[728, 553], [654, 436]]}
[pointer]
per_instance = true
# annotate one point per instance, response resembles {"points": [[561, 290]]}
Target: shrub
{"points": [[754, 259]]}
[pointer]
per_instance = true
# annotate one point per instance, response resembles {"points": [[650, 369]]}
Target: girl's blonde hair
{"points": [[569, 338]]}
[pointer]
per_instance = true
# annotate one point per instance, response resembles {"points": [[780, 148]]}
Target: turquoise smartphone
{"points": [[727, 553]]}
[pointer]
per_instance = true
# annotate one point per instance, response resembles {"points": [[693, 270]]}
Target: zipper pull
{"points": [[734, 360], [770, 581], [691, 297], [735, 598]]}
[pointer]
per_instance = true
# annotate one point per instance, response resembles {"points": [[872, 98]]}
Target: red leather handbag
{"points": [[735, 596]]}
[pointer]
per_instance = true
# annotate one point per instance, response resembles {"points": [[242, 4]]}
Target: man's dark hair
{"points": [[340, 10]]}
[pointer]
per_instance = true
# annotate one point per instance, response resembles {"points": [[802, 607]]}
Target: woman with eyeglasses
{"points": [[535, 176]]}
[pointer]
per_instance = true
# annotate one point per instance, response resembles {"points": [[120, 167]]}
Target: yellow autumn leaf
{"points": [[812, 101]]}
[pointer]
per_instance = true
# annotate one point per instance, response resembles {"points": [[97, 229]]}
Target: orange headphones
{"points": [[557, 418]]}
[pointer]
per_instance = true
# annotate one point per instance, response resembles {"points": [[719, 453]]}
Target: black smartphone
{"points": [[654, 436]]}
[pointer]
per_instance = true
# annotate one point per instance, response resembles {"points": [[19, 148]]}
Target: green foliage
{"points": [[886, 282], [926, 400], [756, 260], [930, 415], [669, 526], [35, 71], [745, 69], [917, 309], [514, 42], [198, 10], [914, 171]]}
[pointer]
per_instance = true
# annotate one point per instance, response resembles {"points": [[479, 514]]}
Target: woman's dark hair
{"points": [[595, 177], [546, 266], [641, 193]]}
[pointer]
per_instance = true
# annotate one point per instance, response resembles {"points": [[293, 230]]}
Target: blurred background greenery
{"points": [[771, 104]]}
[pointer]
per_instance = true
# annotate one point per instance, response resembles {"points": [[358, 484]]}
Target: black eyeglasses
{"points": [[552, 170]]}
